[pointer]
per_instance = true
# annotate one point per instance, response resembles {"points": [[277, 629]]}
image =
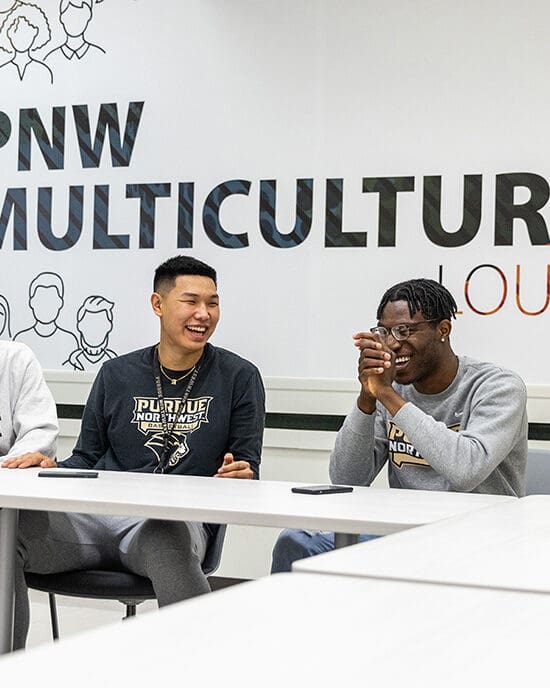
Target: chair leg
{"points": [[53, 616], [130, 611]]}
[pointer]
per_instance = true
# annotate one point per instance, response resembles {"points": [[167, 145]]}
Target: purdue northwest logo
{"points": [[185, 419], [402, 451]]}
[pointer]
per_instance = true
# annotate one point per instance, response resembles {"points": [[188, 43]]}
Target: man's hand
{"points": [[375, 369], [234, 469], [28, 460]]}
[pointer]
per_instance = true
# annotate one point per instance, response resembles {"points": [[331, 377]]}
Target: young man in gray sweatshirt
{"points": [[440, 421]]}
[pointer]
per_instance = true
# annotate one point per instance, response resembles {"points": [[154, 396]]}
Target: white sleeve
{"points": [[33, 412]]}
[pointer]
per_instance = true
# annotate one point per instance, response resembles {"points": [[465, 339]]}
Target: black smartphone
{"points": [[66, 473], [322, 489]]}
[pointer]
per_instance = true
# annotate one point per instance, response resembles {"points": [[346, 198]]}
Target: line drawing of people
{"points": [[75, 15], [5, 328], [51, 343], [6, 6], [25, 28], [94, 324]]}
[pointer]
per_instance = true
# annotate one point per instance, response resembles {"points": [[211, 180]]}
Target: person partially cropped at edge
{"points": [[211, 425], [440, 421], [28, 419]]}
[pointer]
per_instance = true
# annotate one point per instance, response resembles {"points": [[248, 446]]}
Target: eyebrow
{"points": [[198, 296]]}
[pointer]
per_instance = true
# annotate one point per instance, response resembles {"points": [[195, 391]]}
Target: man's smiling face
{"points": [[418, 357], [189, 313]]}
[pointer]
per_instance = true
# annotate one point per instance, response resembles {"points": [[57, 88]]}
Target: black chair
{"points": [[127, 588]]}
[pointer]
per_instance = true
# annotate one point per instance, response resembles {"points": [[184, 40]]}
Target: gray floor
{"points": [[75, 615]]}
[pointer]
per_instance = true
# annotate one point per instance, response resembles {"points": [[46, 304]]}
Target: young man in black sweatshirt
{"points": [[181, 406]]}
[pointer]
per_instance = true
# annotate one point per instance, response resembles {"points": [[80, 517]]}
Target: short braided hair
{"points": [[432, 299]]}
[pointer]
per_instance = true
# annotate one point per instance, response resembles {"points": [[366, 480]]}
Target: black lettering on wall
{"points": [[471, 212], [334, 236], [506, 210], [186, 201], [211, 214], [304, 214], [148, 194], [121, 153], [388, 188], [15, 203], [102, 238], [52, 151], [44, 219], [5, 129]]}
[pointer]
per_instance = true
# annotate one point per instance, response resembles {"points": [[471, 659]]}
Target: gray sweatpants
{"points": [[170, 553]]}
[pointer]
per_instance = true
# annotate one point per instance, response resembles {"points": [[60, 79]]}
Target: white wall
{"points": [[294, 89]]}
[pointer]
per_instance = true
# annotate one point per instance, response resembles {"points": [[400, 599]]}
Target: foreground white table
{"points": [[506, 546], [242, 502], [309, 630]]}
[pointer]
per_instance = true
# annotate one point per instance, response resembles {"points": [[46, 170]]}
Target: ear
{"points": [[156, 303], [444, 329]]}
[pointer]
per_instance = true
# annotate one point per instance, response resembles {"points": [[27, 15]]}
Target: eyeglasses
{"points": [[399, 332]]}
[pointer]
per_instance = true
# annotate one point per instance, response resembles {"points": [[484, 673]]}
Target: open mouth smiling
{"points": [[196, 329], [402, 361]]}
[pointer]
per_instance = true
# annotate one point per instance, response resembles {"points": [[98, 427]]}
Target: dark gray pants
{"points": [[170, 553]]}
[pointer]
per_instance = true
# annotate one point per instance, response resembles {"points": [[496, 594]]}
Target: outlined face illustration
{"points": [[46, 304], [24, 27], [76, 19], [22, 35], [94, 328], [5, 327]]}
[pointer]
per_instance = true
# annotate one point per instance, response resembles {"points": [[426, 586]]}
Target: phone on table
{"points": [[66, 473], [322, 489]]}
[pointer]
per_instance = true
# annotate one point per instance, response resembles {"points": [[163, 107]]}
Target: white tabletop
{"points": [[242, 502], [308, 630], [505, 546]]}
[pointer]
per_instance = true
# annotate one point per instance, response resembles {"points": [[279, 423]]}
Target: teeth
{"points": [[200, 330], [402, 359]]}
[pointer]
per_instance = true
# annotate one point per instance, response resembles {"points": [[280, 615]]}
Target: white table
{"points": [[506, 546], [241, 502], [309, 630]]}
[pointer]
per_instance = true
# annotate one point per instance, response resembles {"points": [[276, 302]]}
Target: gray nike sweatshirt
{"points": [[472, 437], [28, 420]]}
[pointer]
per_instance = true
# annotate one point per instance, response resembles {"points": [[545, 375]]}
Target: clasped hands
{"points": [[376, 369]]}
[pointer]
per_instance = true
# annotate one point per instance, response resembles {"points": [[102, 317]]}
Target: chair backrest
{"points": [[537, 475], [214, 551]]}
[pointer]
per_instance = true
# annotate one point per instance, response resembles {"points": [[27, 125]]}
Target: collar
{"points": [[79, 52]]}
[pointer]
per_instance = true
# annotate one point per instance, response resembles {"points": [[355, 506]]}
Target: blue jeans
{"points": [[293, 544]]}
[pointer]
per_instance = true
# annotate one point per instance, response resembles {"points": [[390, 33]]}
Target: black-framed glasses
{"points": [[399, 332]]}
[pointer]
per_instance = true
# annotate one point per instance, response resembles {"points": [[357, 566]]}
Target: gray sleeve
{"points": [[496, 421], [34, 416], [360, 450]]}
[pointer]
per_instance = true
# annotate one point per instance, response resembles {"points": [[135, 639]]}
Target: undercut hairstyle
{"points": [[426, 296], [166, 274]]}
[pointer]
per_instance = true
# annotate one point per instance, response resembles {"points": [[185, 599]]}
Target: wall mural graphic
{"points": [[94, 322], [304, 151], [55, 346], [5, 328], [25, 29]]}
